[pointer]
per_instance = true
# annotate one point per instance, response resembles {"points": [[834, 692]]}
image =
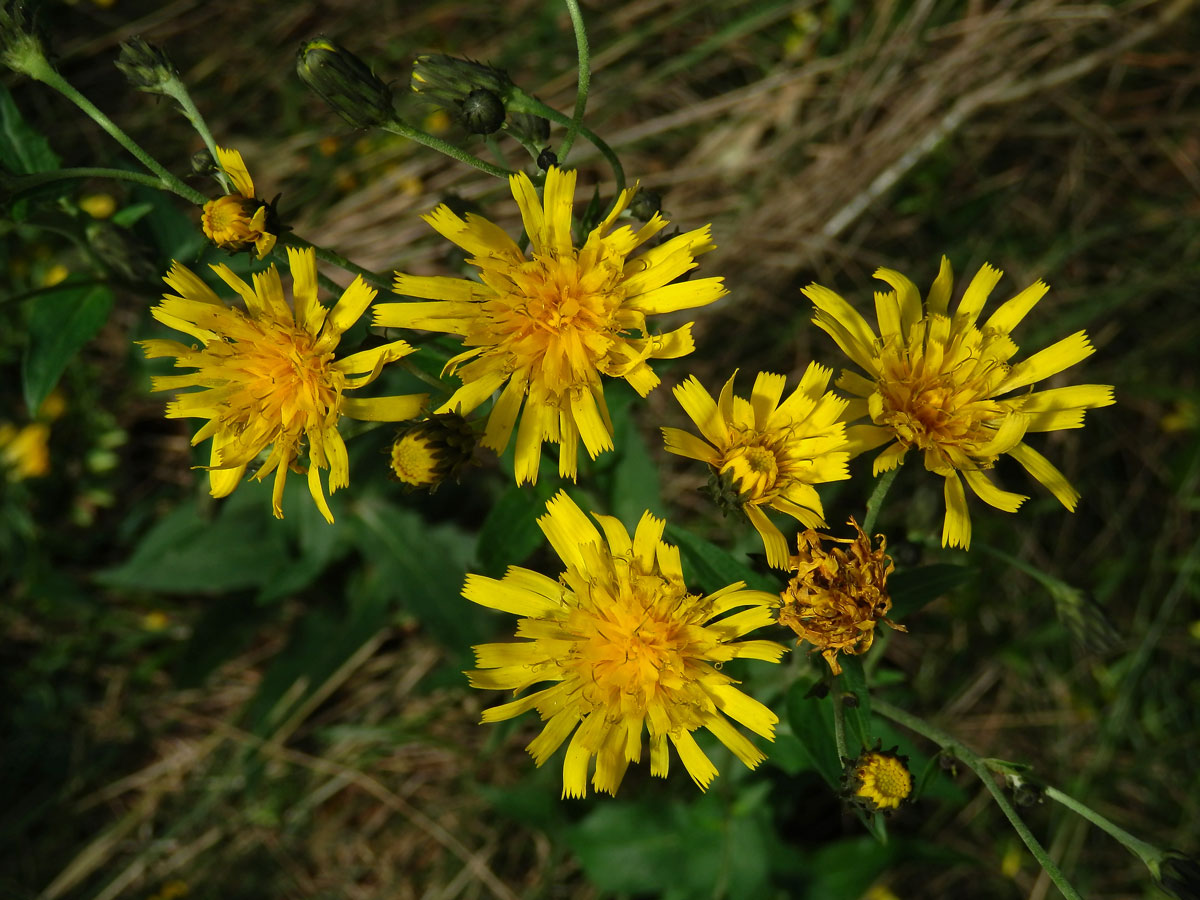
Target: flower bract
{"points": [[626, 648], [946, 386], [269, 376], [544, 328], [239, 221], [767, 453]]}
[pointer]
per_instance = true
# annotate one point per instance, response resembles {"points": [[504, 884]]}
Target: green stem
{"points": [[336, 259], [839, 726], [428, 140], [54, 289], [977, 765], [1147, 853], [177, 90], [585, 79], [496, 150], [46, 74], [424, 376], [37, 179], [875, 502], [521, 102]]}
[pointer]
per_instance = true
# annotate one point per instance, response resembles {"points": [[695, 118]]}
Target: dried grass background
{"points": [[1053, 139]]}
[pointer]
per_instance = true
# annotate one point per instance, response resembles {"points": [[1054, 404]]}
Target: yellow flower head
{"points": [[879, 780], [238, 221], [25, 451], [626, 647], [837, 596], [938, 383], [428, 452], [767, 453], [546, 327], [269, 376]]}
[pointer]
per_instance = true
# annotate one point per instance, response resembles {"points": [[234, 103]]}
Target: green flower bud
{"points": [[645, 204], [146, 67], [22, 48], [345, 82], [529, 128], [448, 81], [1179, 875], [482, 112]]}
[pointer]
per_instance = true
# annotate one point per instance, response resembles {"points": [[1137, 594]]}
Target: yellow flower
{"points": [[836, 597], [938, 382], [237, 221], [428, 452], [627, 647], [269, 375], [25, 451], [546, 327], [767, 453], [879, 780]]}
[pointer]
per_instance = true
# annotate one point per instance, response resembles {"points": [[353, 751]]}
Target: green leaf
{"points": [[857, 716], [189, 553], [510, 532], [812, 724], [912, 589], [22, 149], [711, 567], [130, 214], [60, 323]]}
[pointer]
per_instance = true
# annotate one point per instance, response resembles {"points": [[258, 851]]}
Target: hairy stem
{"points": [[875, 502], [434, 143], [977, 765], [523, 103], [585, 78]]}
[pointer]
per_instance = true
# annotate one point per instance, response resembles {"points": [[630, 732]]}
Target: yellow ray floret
{"points": [[767, 453], [269, 377], [946, 385], [621, 648], [543, 329]]}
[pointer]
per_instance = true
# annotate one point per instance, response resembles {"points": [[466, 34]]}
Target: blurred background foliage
{"points": [[201, 700]]}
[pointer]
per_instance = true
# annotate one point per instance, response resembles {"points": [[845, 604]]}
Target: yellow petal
{"points": [[956, 529], [977, 293], [1041, 469], [231, 163]]}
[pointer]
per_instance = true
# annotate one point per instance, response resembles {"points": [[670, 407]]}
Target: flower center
{"points": [[558, 317], [633, 645], [277, 377], [753, 469], [941, 401], [414, 461], [886, 777], [228, 219]]}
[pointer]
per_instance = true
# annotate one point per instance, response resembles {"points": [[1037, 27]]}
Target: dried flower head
{"points": [[837, 596]]}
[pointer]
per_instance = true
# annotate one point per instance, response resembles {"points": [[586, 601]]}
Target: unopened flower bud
{"points": [[427, 452], [345, 82], [645, 204], [449, 80], [546, 159], [146, 66], [202, 163], [482, 112], [529, 128], [22, 48], [1179, 875]]}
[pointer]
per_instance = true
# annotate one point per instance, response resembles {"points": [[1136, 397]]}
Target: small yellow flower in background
{"points": [[238, 221], [937, 383], [430, 451], [837, 596], [543, 329], [98, 206], [627, 648], [269, 376], [767, 453], [879, 780], [25, 451], [56, 274]]}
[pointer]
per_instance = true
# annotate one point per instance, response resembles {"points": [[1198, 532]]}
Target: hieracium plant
{"points": [[617, 650]]}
